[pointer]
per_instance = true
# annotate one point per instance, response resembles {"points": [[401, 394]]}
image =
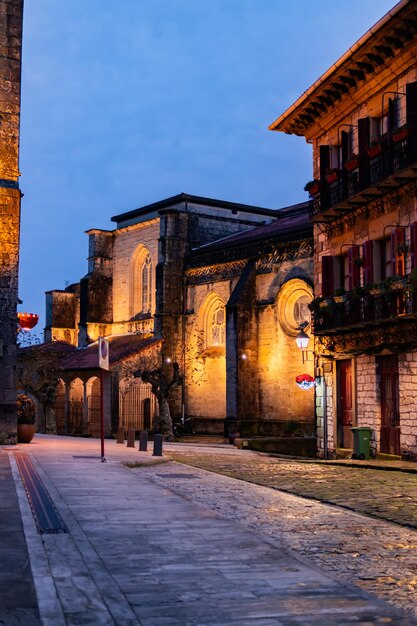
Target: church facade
{"points": [[219, 287]]}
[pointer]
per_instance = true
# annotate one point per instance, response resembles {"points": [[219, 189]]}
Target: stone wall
{"points": [[408, 403], [11, 14], [126, 240]]}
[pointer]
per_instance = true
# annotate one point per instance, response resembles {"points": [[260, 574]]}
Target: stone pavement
{"points": [[388, 495], [141, 552], [17, 596]]}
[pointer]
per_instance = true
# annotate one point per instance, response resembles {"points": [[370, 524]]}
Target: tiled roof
{"points": [[120, 347], [289, 222], [57, 347]]}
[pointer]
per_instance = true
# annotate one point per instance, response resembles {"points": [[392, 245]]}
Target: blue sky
{"points": [[131, 101]]}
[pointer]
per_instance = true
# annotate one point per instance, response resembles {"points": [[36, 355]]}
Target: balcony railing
{"points": [[362, 307], [373, 167]]}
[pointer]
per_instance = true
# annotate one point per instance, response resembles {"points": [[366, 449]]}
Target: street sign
{"points": [[103, 353]]}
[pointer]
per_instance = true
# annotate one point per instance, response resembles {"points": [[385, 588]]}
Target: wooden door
{"points": [[390, 409], [345, 405]]}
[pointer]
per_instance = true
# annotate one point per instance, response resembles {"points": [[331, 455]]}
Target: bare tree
{"points": [[163, 379]]}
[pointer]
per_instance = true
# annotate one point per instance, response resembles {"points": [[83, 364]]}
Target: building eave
{"points": [[366, 57]]}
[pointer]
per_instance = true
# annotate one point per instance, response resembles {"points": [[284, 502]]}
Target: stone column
{"points": [[11, 13]]}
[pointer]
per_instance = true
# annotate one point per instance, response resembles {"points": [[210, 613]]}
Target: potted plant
{"points": [[332, 176], [357, 292], [315, 304], [313, 187], [340, 295], [398, 134], [396, 282], [375, 289], [352, 163], [26, 414], [374, 149]]}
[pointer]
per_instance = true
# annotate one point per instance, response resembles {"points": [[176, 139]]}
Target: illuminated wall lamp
{"points": [[302, 340]]}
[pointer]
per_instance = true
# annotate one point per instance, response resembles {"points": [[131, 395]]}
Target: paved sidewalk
{"points": [[139, 553], [17, 593]]}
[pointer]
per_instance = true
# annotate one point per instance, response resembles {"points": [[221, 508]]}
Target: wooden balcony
{"points": [[381, 170]]}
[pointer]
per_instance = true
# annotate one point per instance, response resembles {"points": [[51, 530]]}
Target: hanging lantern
{"points": [[305, 381], [27, 321]]}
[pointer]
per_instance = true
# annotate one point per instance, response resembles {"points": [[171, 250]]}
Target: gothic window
{"points": [[140, 282], [213, 322], [146, 285], [217, 329]]}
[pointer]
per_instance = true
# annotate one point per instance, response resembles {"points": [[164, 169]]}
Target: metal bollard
{"points": [[120, 435], [157, 445], [130, 439], [143, 441]]}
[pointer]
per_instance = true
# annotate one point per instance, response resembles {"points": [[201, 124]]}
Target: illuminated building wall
{"points": [[11, 13]]}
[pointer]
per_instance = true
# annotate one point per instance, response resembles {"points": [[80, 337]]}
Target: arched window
{"points": [[146, 284], [140, 281], [217, 326], [213, 321]]}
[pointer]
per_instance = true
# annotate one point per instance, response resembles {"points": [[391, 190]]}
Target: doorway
{"points": [[344, 404], [390, 409]]}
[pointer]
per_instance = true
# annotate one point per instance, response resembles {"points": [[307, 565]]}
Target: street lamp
{"points": [[302, 340]]}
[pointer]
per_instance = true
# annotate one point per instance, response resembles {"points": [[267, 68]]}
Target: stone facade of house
{"points": [[361, 117], [11, 14]]}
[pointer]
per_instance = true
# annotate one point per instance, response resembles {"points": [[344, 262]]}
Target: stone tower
{"points": [[11, 14]]}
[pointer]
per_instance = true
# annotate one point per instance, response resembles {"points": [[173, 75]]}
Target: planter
{"points": [[352, 164], [398, 284], [374, 151], [314, 189], [400, 134], [340, 299], [25, 433], [332, 177], [325, 303]]}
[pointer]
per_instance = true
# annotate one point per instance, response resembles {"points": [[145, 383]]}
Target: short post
{"points": [[120, 435], [130, 438], [157, 445], [143, 441]]}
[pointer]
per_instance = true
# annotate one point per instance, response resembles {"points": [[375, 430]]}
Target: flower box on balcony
{"points": [[332, 176], [400, 133], [352, 164], [374, 150], [313, 187]]}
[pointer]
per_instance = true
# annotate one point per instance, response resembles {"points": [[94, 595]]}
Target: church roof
{"points": [[120, 347], [294, 220], [185, 197]]}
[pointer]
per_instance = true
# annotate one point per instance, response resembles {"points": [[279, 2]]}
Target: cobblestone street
{"points": [[377, 555], [388, 495]]}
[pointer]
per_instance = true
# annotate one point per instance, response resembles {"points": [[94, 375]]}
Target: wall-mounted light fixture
{"points": [[302, 340]]}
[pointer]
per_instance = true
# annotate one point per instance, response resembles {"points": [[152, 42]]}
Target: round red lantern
{"points": [[27, 321]]}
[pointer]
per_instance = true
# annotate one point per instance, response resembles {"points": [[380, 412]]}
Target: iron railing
{"points": [[372, 168], [370, 306]]}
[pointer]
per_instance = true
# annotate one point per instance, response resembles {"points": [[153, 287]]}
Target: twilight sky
{"points": [[127, 102]]}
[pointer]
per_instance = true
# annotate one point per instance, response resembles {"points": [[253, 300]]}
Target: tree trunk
{"points": [[165, 421]]}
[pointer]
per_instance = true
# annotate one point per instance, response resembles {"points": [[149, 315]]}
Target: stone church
{"points": [[219, 287]]}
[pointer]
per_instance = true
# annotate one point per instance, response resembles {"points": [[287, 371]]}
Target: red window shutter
{"points": [[368, 262], [354, 272], [327, 273], [413, 244]]}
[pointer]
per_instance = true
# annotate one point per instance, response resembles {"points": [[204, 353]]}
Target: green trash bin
{"points": [[362, 442]]}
